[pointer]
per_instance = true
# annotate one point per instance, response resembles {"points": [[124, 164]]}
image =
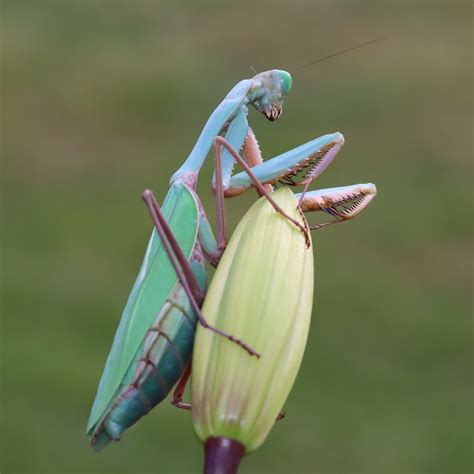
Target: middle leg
{"points": [[219, 142]]}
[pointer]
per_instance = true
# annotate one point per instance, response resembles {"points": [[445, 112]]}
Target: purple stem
{"points": [[222, 455]]}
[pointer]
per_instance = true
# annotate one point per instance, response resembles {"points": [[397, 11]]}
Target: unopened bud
{"points": [[261, 293]]}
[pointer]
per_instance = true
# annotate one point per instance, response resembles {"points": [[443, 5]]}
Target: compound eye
{"points": [[287, 82]]}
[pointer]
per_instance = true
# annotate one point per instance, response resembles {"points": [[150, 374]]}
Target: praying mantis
{"points": [[154, 340]]}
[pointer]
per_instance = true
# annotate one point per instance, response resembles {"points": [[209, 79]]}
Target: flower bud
{"points": [[261, 293]]}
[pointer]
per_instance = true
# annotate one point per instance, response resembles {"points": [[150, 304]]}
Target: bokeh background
{"points": [[101, 99]]}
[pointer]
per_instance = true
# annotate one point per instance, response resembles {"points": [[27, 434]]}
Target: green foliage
{"points": [[103, 99]]}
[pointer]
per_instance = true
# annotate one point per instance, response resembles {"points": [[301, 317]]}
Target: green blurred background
{"points": [[101, 99]]}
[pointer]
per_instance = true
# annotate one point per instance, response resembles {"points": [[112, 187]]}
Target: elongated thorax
{"points": [[262, 293]]}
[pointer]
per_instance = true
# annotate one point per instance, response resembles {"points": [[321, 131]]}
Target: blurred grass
{"points": [[102, 99]]}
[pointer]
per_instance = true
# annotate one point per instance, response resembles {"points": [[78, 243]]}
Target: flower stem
{"points": [[222, 455]]}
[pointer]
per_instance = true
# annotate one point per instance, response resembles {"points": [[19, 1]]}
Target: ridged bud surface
{"points": [[262, 293]]}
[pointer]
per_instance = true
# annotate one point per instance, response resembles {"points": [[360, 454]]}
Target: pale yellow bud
{"points": [[262, 293]]}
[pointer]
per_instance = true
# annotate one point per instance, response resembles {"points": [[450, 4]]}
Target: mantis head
{"points": [[268, 92]]}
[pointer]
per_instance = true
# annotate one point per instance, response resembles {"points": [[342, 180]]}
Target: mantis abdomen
{"points": [[158, 364]]}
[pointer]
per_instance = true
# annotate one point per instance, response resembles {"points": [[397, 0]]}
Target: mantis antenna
{"points": [[332, 55]]}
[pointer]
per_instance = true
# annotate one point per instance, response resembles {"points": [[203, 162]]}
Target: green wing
{"points": [[154, 283]]}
